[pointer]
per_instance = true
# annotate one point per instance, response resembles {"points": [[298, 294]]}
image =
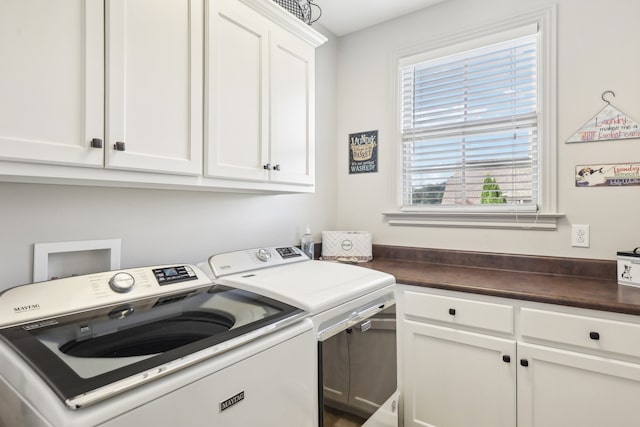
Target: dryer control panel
{"points": [[252, 259]]}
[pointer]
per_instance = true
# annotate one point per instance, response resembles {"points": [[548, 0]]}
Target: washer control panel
{"points": [[167, 275], [45, 300]]}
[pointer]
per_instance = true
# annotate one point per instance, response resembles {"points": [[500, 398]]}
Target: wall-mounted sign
{"points": [[363, 152], [608, 124], [612, 175]]}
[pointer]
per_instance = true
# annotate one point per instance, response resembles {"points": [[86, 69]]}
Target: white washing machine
{"points": [[156, 345], [353, 312]]}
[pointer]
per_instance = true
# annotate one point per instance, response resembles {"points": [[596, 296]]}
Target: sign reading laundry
{"points": [[612, 175], [363, 152], [608, 124]]}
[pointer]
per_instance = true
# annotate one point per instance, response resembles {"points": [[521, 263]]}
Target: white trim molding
{"points": [[504, 220]]}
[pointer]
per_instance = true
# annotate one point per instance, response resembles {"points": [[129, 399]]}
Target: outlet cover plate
{"points": [[580, 235]]}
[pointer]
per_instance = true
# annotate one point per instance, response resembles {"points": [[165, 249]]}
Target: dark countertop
{"points": [[565, 281]]}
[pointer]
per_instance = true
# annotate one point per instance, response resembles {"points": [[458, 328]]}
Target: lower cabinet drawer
{"points": [[460, 311], [582, 331]]}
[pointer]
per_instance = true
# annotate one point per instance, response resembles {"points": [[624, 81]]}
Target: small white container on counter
{"points": [[629, 267]]}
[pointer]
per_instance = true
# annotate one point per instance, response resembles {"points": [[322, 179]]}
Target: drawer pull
{"points": [[524, 362], [506, 358], [594, 336], [452, 311]]}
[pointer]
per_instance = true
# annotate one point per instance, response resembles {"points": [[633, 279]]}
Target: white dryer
{"points": [[353, 312]]}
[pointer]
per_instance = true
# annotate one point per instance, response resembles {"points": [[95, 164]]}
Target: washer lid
{"points": [[314, 286], [93, 355]]}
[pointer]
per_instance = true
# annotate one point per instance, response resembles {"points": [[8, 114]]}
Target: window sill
{"points": [[503, 220]]}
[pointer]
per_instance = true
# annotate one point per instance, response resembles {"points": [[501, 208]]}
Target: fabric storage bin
{"points": [[629, 267], [351, 246]]}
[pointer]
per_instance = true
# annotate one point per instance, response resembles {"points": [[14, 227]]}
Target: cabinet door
{"points": [[454, 378], [237, 131], [292, 149], [154, 85], [565, 389], [51, 81]]}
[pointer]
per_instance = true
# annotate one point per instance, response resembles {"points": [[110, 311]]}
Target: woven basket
{"points": [[293, 7], [363, 151]]}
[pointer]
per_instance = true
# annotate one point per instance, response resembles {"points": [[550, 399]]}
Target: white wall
{"points": [[598, 41], [158, 226]]}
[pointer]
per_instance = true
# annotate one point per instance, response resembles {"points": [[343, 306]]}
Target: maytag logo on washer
{"points": [[25, 308], [226, 404], [347, 245]]}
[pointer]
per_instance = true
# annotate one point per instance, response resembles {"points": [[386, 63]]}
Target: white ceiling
{"points": [[346, 16]]}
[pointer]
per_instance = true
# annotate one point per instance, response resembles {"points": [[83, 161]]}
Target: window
{"points": [[477, 123], [469, 126]]}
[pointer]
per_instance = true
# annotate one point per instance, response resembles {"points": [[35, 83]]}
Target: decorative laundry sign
{"points": [[363, 152], [609, 124], [611, 175]]}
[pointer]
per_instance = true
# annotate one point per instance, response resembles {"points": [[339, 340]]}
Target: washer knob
{"points": [[122, 282], [263, 254]]}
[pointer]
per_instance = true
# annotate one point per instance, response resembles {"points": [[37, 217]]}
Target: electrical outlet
{"points": [[580, 236]]}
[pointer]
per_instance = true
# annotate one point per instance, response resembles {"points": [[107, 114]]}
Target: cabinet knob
{"points": [[506, 358], [96, 143], [267, 166], [118, 146], [452, 311], [594, 335], [524, 362], [277, 167]]}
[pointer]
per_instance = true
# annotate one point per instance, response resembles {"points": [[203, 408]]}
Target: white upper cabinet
{"points": [[51, 81], [292, 149], [122, 87], [154, 85], [259, 96], [237, 92]]}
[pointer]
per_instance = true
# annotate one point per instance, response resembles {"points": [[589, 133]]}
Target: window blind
{"points": [[469, 125]]}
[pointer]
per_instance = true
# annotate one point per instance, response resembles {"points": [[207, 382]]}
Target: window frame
{"points": [[546, 215]]}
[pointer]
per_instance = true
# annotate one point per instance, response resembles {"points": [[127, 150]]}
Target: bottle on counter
{"points": [[306, 243]]}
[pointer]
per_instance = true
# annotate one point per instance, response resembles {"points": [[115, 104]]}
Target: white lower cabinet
{"points": [[465, 362], [561, 388], [457, 379]]}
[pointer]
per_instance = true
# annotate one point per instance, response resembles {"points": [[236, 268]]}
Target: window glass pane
{"points": [[469, 127]]}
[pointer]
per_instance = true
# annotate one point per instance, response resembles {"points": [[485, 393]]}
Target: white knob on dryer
{"points": [[122, 282], [263, 254]]}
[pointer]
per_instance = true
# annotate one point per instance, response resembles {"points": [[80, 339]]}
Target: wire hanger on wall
{"points": [[606, 92], [609, 124]]}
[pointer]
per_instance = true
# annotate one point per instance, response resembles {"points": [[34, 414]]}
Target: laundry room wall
{"points": [[167, 226], [596, 41]]}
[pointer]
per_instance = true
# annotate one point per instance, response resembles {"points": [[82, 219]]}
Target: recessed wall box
{"points": [[64, 259]]}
